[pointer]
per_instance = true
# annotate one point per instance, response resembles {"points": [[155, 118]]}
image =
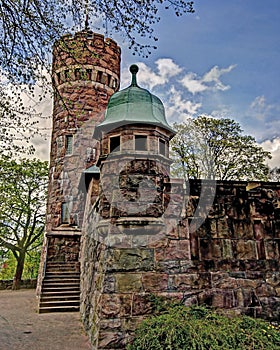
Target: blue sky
{"points": [[223, 60]]}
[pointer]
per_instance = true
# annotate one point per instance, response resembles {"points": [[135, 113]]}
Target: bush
{"points": [[200, 328]]}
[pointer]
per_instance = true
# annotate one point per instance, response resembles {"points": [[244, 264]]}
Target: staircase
{"points": [[61, 288]]}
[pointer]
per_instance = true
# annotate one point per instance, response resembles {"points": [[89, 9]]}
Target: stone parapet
{"points": [[229, 261]]}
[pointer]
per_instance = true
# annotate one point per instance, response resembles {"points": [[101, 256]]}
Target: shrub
{"points": [[200, 328]]}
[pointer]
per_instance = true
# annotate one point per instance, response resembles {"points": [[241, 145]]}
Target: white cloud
{"points": [[149, 78], [260, 108], [193, 83], [167, 68], [42, 112], [210, 80], [273, 146], [180, 108]]}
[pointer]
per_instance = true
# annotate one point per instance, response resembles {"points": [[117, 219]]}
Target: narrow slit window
{"points": [[99, 76], [140, 143], [78, 73], [162, 145], [65, 213], [109, 80], [58, 77], [67, 75], [113, 83], [115, 143], [69, 144], [89, 74]]}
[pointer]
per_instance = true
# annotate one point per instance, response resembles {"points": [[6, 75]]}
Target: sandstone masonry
{"points": [[114, 210]]}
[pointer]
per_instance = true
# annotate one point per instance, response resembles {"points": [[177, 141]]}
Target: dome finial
{"points": [[133, 70]]}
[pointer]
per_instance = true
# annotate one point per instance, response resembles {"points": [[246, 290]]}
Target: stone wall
{"points": [[24, 284], [222, 250], [63, 248]]}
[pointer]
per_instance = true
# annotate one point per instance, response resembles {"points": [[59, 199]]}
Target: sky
{"points": [[222, 61]]}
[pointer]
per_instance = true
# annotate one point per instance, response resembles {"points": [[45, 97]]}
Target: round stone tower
{"points": [[86, 72]]}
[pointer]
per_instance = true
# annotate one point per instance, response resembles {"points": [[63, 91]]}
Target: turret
{"points": [[134, 158]]}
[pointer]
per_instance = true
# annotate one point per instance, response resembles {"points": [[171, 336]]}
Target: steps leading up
{"points": [[60, 288]]}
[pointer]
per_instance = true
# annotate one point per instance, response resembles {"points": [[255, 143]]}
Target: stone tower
{"points": [[86, 72]]}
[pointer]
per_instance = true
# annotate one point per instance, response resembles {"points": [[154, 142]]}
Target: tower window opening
{"points": [[109, 80], [58, 77], [162, 145], [67, 75], [99, 76], [89, 74], [140, 143], [115, 143], [69, 144], [104, 79], [78, 73], [113, 83], [65, 213]]}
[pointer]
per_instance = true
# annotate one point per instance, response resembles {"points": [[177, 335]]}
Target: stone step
{"points": [[59, 303], [62, 274], [59, 309], [60, 297], [59, 265], [63, 263], [60, 293], [61, 269], [61, 280], [61, 289]]}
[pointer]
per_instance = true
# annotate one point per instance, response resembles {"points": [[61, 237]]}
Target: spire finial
{"points": [[86, 15], [133, 70]]}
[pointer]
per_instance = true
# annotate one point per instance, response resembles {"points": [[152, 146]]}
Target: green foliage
{"points": [[200, 328], [16, 125], [31, 265], [274, 174], [23, 192], [209, 148]]}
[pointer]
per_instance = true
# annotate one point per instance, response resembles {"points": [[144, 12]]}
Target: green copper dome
{"points": [[134, 105]]}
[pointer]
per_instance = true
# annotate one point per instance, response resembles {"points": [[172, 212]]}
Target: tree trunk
{"points": [[19, 271]]}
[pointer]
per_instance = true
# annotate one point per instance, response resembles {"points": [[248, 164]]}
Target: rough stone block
{"points": [[175, 250], [115, 305], [141, 304], [130, 259], [155, 282], [128, 282]]}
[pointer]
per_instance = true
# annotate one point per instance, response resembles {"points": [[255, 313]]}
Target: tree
{"points": [[23, 192], [17, 123], [274, 174], [210, 148]]}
